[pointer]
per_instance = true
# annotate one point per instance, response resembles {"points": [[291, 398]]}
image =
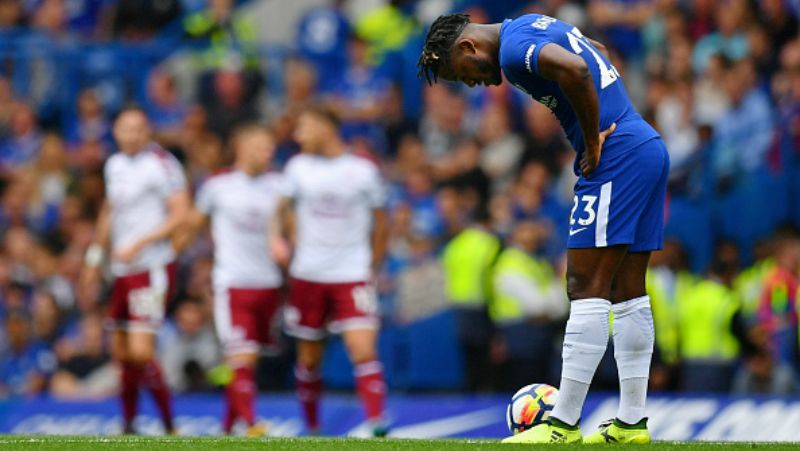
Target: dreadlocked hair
{"points": [[440, 39]]}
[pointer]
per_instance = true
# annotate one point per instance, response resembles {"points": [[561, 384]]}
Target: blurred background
{"points": [[480, 182]]}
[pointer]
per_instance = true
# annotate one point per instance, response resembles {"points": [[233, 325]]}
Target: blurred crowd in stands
{"points": [[480, 180]]}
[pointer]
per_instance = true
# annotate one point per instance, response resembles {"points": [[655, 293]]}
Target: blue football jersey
{"points": [[522, 39]]}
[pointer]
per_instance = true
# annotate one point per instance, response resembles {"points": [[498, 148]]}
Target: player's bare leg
{"points": [[240, 394], [361, 346], [590, 273], [309, 381], [634, 337], [140, 368]]}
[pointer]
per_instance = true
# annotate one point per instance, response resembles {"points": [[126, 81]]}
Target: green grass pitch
{"points": [[95, 443]]}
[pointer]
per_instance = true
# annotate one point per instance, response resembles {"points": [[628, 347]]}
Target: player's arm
{"points": [[380, 238], [178, 206], [196, 221], [90, 274], [279, 229], [284, 220], [572, 75]]}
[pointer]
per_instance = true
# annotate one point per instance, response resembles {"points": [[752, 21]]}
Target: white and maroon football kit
{"points": [[137, 189], [246, 279]]}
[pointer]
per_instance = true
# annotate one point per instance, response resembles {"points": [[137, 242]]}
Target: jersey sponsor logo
{"points": [[543, 22], [549, 101], [528, 55]]}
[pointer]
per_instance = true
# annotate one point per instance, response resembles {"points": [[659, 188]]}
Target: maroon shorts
{"points": [[245, 317], [339, 306], [139, 301]]}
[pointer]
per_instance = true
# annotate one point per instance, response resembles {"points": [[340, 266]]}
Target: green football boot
{"points": [[551, 431], [615, 431]]}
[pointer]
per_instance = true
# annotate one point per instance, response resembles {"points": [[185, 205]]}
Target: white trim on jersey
{"points": [[601, 227]]}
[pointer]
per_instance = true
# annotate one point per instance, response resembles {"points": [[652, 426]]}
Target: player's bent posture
{"points": [[146, 201], [241, 204], [618, 214], [339, 233]]}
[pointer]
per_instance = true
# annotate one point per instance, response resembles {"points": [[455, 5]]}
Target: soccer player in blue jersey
{"points": [[618, 215]]}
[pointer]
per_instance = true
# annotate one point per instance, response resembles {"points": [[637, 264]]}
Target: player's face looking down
{"points": [[255, 150], [313, 132], [131, 131], [471, 64]]}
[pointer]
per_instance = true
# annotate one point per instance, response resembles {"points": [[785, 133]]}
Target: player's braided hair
{"points": [[440, 39]]}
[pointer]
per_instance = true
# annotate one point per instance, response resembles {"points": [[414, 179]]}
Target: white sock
{"points": [[585, 342], [634, 337]]}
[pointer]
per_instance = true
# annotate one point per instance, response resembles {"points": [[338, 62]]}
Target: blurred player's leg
{"points": [[241, 391], [309, 380], [141, 353], [130, 377], [243, 318], [361, 347]]}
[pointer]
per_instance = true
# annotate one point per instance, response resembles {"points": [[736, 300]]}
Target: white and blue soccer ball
{"points": [[530, 406]]}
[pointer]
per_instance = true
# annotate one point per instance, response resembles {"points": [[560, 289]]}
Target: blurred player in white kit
{"points": [[334, 203], [146, 202], [240, 203]]}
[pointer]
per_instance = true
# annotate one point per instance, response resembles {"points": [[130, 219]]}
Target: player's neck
{"points": [[489, 33], [334, 149], [248, 170]]}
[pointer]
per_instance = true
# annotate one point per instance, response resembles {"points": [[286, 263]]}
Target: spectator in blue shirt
{"points": [[361, 97], [22, 145], [91, 122], [24, 371], [165, 108], [729, 40], [743, 134], [322, 40]]}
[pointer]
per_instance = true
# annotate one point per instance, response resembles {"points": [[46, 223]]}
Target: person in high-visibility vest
{"points": [[467, 261], [667, 280], [749, 284], [232, 37], [711, 333], [777, 307], [528, 301]]}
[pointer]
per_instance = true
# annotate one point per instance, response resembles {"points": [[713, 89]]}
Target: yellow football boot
{"points": [[551, 431], [615, 431]]}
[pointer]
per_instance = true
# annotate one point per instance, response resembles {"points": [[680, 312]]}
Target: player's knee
{"points": [[140, 355], [582, 286], [361, 353], [309, 356]]}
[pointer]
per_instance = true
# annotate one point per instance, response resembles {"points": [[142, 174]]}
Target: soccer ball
{"points": [[530, 406]]}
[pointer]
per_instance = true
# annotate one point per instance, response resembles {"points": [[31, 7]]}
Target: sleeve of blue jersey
{"points": [[526, 45]]}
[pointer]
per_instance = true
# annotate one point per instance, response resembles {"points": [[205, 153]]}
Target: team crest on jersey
{"points": [[528, 55], [543, 22], [549, 101]]}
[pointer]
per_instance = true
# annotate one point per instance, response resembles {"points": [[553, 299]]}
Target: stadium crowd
{"points": [[480, 185]]}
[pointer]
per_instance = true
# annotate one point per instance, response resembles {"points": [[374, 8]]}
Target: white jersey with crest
{"points": [[241, 208], [137, 189], [334, 200]]}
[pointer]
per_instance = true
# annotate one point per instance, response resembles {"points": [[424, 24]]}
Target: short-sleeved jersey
{"points": [[522, 39], [137, 189], [334, 200], [241, 208]]}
